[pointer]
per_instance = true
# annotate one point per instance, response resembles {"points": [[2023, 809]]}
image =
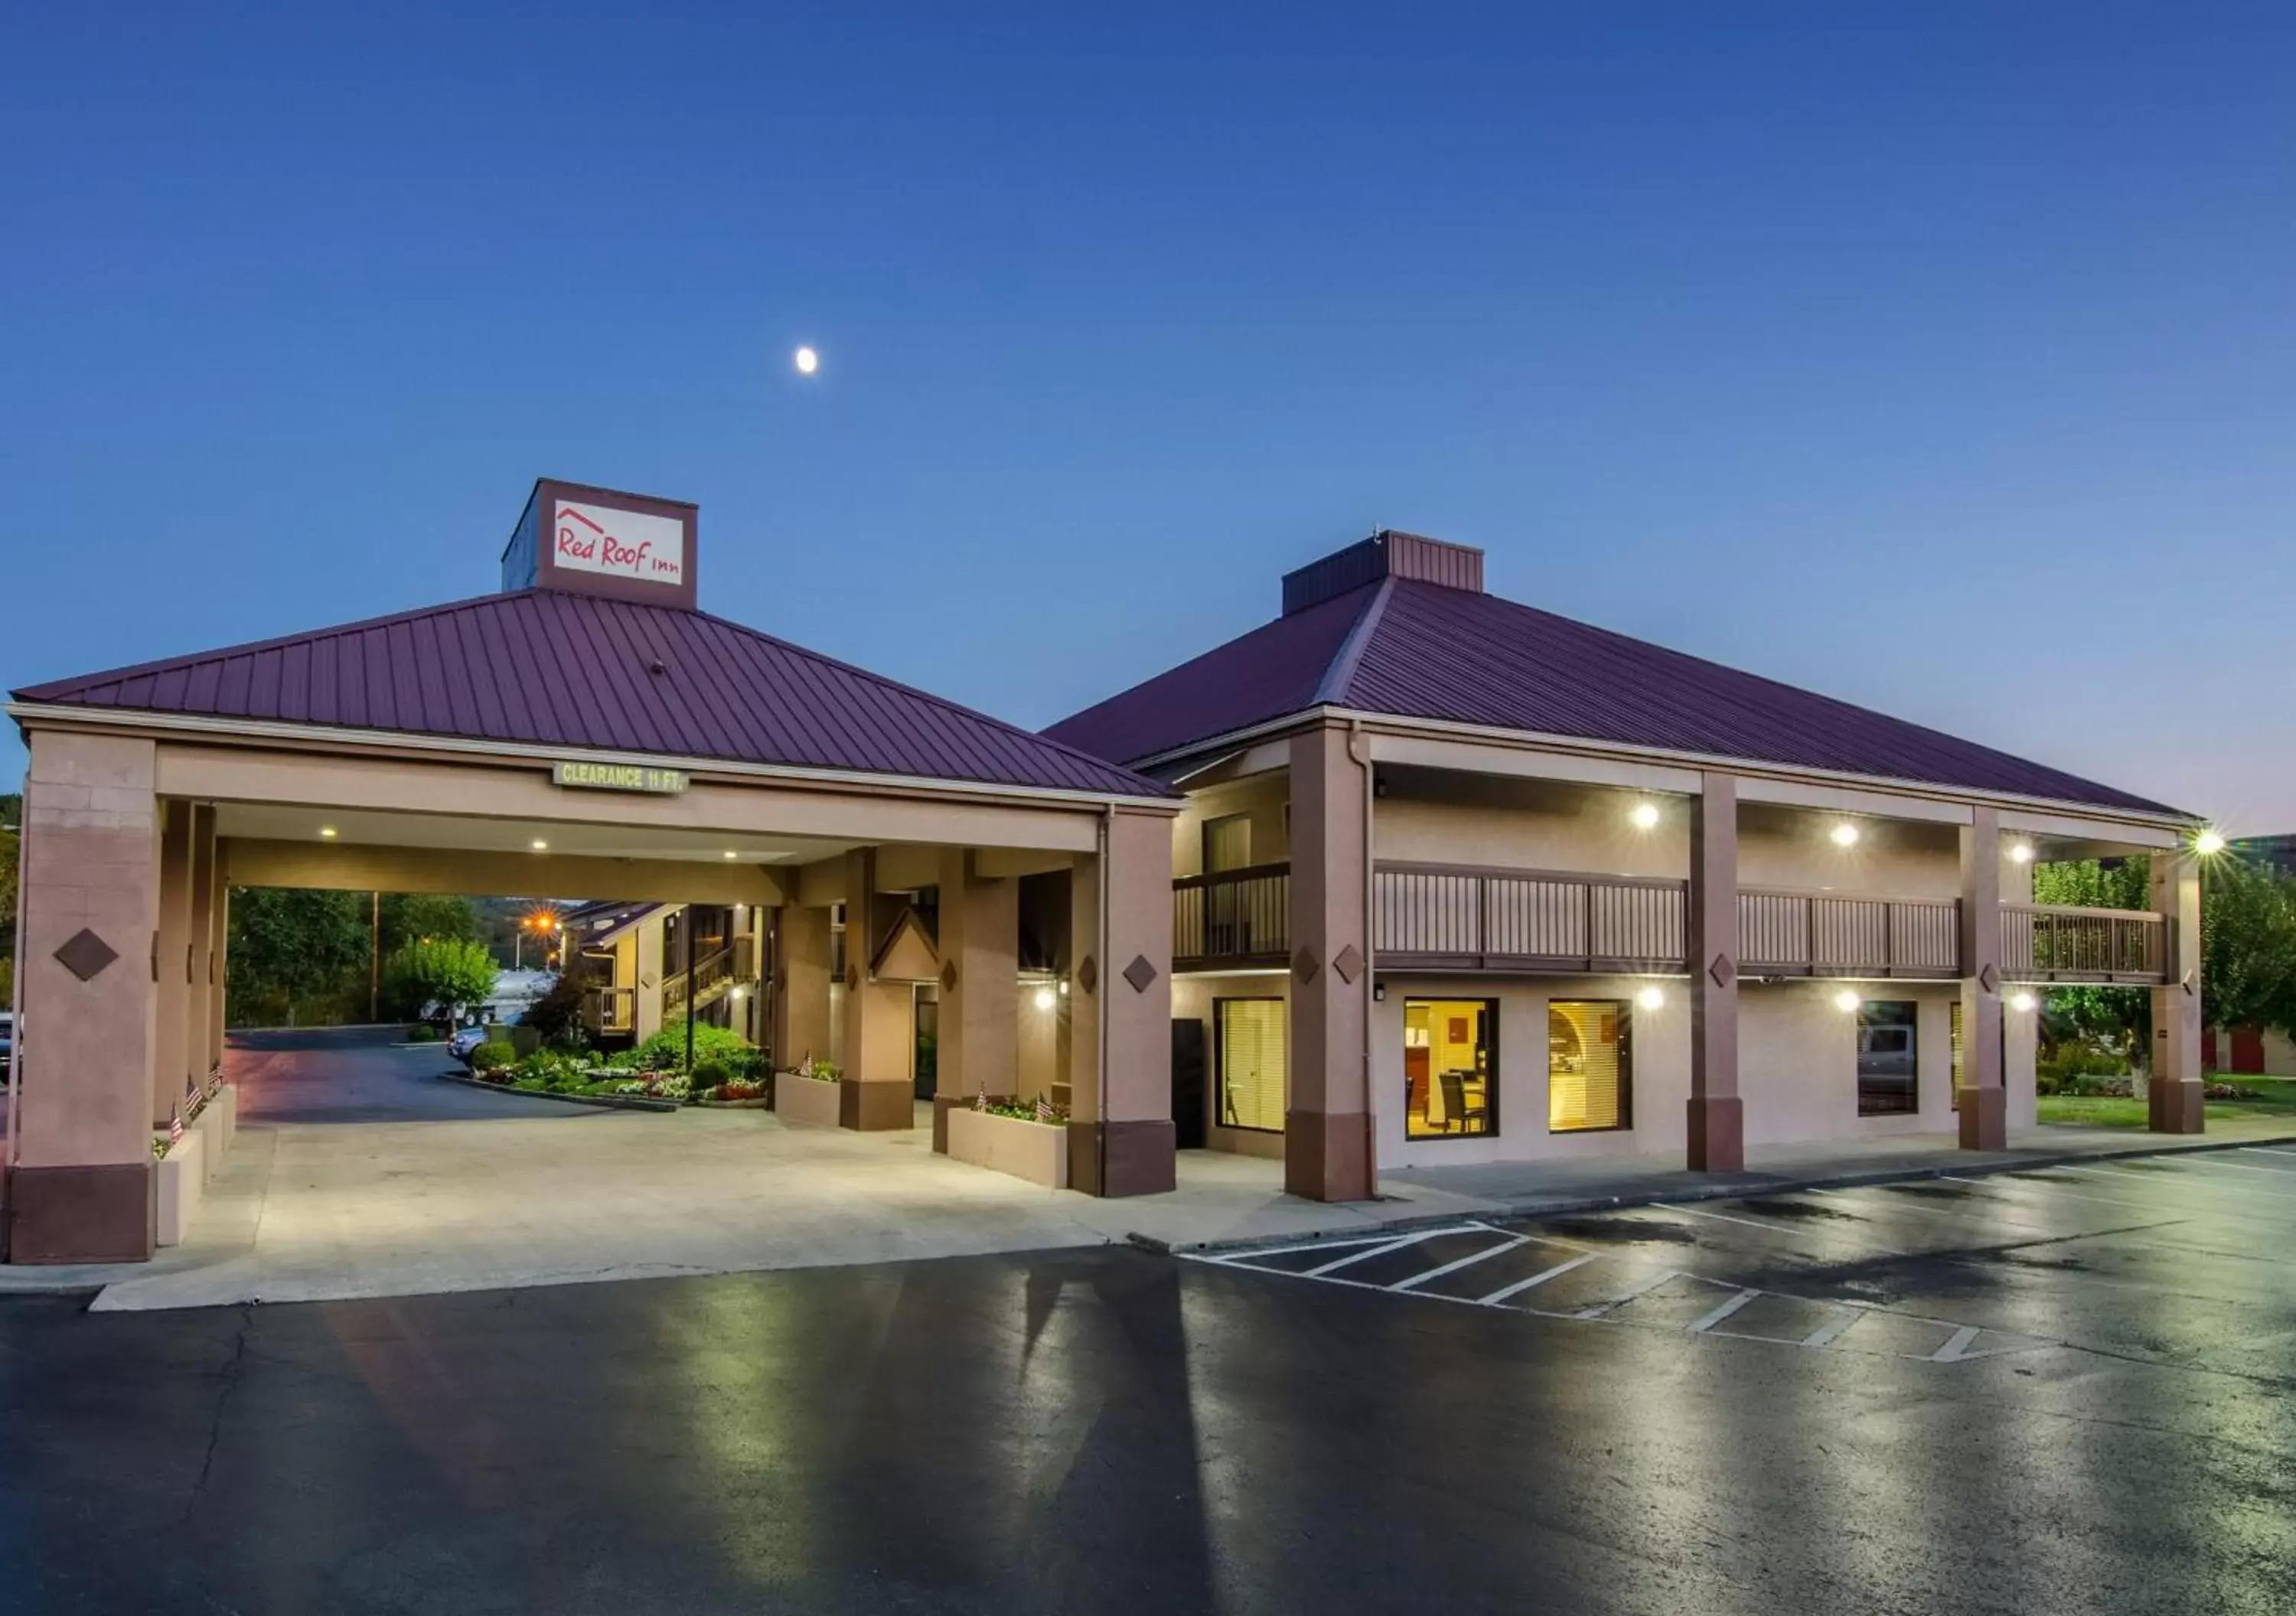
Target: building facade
{"points": [[1461, 882]]}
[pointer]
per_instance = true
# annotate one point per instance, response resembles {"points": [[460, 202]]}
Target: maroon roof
{"points": [[1421, 650], [546, 668]]}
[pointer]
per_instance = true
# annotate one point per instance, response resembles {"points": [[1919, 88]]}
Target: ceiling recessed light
{"points": [[1644, 816], [540, 845], [1844, 835], [732, 854], [327, 832]]}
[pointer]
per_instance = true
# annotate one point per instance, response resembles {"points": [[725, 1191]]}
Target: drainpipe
{"points": [[16, 988], [1107, 834], [1359, 749]]}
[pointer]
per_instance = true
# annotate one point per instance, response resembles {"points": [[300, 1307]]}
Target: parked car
{"points": [[465, 1039], [7, 1032]]}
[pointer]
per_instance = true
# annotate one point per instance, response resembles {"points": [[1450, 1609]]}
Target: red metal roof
{"points": [[1417, 650], [546, 668]]}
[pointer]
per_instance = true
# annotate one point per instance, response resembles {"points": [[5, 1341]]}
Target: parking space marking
{"points": [[2267, 1150], [2171, 1179], [1520, 1285], [2282, 1173], [1700, 1211], [1452, 1267], [1380, 1250], [1642, 1287], [1826, 1334], [1723, 1312], [1957, 1348]]}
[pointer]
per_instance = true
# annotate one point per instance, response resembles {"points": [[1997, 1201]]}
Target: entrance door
{"points": [[1188, 1085]]}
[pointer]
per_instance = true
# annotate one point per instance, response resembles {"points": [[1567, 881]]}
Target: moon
{"points": [[807, 361]]}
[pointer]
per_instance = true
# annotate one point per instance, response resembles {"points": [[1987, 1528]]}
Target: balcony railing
{"points": [[610, 1010], [1467, 918], [1235, 919], [1788, 934], [1437, 915], [2042, 943]]}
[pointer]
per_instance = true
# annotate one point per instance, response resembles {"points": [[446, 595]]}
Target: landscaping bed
{"points": [[2110, 1103], [1011, 1139], [600, 1096]]}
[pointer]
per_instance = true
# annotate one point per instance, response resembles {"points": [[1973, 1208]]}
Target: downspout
{"points": [[16, 987], [1359, 749], [1107, 835]]}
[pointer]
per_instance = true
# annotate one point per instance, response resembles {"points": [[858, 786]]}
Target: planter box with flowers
{"points": [[181, 1172], [809, 1097], [1028, 1142]]}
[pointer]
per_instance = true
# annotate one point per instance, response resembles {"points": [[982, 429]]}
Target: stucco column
{"points": [[648, 949], [1135, 981], [171, 963], [1087, 980], [878, 1090], [1717, 1114], [83, 1189], [1327, 1121], [218, 962], [980, 989], [199, 995], [1984, 1102], [801, 986], [2176, 1099]]}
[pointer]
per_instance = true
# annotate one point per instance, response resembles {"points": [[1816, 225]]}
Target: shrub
{"points": [[708, 1075], [489, 1057], [423, 1032], [556, 1017], [2062, 1070], [821, 1070], [665, 1049]]}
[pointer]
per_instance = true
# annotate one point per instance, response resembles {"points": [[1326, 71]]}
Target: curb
{"points": [[1540, 1206], [597, 1102]]}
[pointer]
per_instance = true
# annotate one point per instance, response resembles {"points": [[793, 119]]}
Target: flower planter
{"points": [[181, 1175], [1038, 1152], [805, 1102]]}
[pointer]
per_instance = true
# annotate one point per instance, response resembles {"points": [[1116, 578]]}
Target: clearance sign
{"points": [[618, 777]]}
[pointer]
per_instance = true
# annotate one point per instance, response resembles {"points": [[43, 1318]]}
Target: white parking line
{"points": [[1452, 1267], [1520, 1285], [1825, 1334], [1953, 1348], [1697, 1211], [1377, 1251], [2265, 1150], [1723, 1312], [1629, 1293], [2172, 1178]]}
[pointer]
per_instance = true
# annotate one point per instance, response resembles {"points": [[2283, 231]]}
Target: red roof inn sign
{"points": [[598, 542]]}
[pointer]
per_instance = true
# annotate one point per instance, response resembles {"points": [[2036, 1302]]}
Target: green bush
{"points": [[665, 1049], [2062, 1070], [709, 1074], [488, 1056], [423, 1032]]}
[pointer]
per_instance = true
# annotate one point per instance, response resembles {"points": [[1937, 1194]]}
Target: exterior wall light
{"points": [[1846, 1000], [737, 994], [2023, 1003], [1844, 835], [1644, 816], [1651, 998], [2020, 853], [1065, 987], [2209, 842], [1046, 999]]}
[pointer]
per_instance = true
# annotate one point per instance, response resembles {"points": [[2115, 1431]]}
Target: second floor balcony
{"points": [[1437, 917]]}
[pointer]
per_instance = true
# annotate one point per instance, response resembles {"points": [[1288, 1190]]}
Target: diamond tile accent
{"points": [[852, 978], [86, 955], [1140, 973], [1305, 965], [1990, 979], [948, 977], [1088, 974], [1348, 964], [1722, 971]]}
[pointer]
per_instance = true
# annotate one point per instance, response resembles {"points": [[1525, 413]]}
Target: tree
{"points": [[293, 953], [450, 973], [410, 917], [2248, 946]]}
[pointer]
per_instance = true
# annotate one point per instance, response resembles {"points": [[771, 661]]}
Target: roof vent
{"points": [[1386, 554]]}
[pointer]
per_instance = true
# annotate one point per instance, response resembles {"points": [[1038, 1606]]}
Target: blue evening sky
{"points": [[1939, 356]]}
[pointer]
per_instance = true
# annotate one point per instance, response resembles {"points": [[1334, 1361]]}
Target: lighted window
{"points": [[1589, 1077], [1450, 1067], [1251, 1038], [1889, 1064]]}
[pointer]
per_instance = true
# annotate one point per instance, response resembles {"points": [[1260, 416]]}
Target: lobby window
{"points": [[1450, 1067], [1889, 1066], [1589, 1072], [1250, 1035]]}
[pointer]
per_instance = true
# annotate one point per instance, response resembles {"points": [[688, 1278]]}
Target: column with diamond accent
{"points": [[1717, 1114], [1327, 1118]]}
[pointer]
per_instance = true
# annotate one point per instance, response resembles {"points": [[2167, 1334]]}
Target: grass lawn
{"points": [[2275, 1096]]}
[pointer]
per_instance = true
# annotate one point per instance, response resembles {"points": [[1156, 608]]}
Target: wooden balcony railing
{"points": [[1237, 919], [1437, 915], [1787, 934], [610, 1009], [2041, 942]]}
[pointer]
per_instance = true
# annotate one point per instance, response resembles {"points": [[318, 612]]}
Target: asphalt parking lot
{"points": [[2064, 1390], [2180, 1258]]}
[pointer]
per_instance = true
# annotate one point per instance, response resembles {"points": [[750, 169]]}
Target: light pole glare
{"points": [[2209, 842]]}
